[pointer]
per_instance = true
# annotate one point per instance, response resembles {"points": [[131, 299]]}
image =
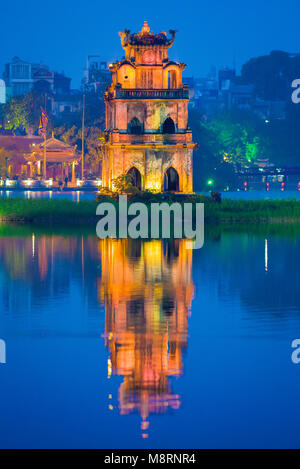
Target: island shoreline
{"points": [[52, 212]]}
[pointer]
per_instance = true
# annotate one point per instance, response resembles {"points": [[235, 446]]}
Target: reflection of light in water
{"points": [[266, 255], [78, 196], [82, 260], [109, 368], [147, 292], [33, 244]]}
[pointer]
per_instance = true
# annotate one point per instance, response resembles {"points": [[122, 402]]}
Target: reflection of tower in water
{"points": [[147, 289]]}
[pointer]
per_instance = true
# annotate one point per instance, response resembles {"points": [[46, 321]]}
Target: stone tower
{"points": [[147, 131]]}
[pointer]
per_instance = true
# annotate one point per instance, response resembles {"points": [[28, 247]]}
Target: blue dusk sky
{"points": [[62, 33]]}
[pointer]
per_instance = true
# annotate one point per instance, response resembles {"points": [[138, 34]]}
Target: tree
{"points": [[93, 144], [283, 137], [271, 75], [123, 184], [227, 143], [95, 148], [23, 112]]}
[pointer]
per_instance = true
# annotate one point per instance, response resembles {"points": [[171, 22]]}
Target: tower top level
{"points": [[146, 63], [135, 44]]}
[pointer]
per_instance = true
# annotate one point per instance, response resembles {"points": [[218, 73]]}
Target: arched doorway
{"points": [[168, 126], [171, 180], [135, 126], [135, 177]]}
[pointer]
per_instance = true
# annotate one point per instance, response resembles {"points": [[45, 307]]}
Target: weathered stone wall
{"points": [[151, 113], [152, 165]]}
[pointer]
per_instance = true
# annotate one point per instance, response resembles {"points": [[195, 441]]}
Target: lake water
{"points": [[122, 344], [76, 196]]}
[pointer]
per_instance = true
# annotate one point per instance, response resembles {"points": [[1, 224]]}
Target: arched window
{"points": [[136, 178], [171, 180], [135, 126], [172, 79], [168, 126]]}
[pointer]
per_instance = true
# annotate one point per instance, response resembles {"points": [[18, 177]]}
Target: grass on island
{"points": [[47, 211], [253, 211], [228, 211]]}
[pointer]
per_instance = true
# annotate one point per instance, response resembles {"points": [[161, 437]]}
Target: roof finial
{"points": [[145, 28]]}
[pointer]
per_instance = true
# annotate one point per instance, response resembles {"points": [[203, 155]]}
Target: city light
{"points": [[9, 182]]}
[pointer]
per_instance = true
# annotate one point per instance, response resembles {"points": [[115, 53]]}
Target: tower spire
{"points": [[145, 28]]}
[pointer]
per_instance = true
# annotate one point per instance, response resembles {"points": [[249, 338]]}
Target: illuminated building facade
{"points": [[147, 132], [147, 290]]}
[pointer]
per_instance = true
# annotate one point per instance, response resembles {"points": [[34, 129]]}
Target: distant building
{"points": [[62, 84], [96, 74], [225, 75], [66, 104], [240, 96], [18, 76], [204, 94], [21, 77], [268, 110], [2, 92], [42, 79], [211, 95]]}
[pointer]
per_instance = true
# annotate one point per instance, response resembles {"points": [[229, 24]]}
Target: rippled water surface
{"points": [[119, 343], [77, 196]]}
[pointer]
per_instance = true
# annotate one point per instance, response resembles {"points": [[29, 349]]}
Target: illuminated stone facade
{"points": [[147, 116]]}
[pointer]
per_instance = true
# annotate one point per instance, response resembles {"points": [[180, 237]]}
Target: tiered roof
{"points": [[145, 37]]}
